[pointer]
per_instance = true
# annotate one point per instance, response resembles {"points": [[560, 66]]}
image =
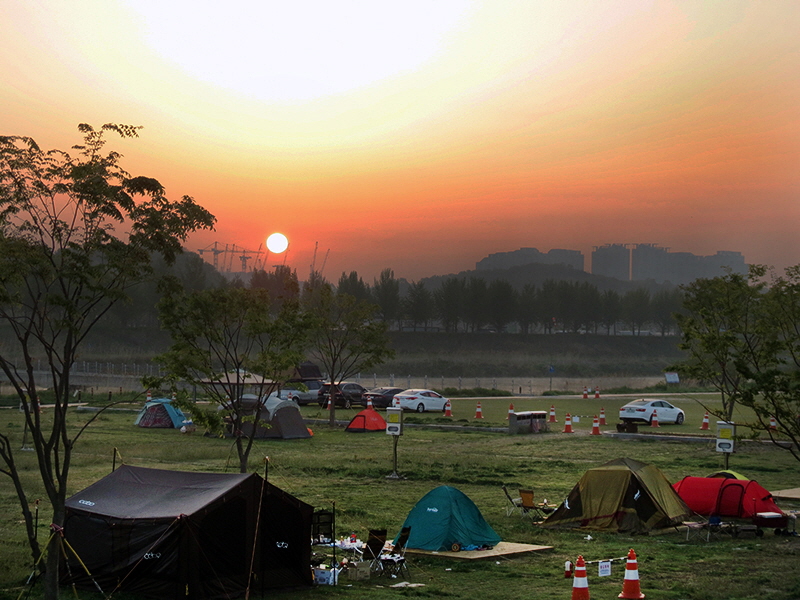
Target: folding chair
{"points": [[513, 503], [395, 563], [376, 540], [530, 508]]}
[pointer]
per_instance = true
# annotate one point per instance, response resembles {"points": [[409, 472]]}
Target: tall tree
{"points": [[386, 293], [449, 301], [281, 284], [502, 304], [610, 310], [476, 303], [228, 342], [636, 309], [354, 286], [419, 306], [346, 337], [527, 308], [76, 232]]}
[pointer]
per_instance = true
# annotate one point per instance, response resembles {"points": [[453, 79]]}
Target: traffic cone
{"points": [[552, 414], [602, 416], [369, 404], [704, 426], [773, 424], [149, 396], [478, 411], [174, 396], [597, 392], [567, 424], [654, 420], [580, 583], [448, 409], [330, 403], [596, 426], [630, 586], [585, 392], [510, 411]]}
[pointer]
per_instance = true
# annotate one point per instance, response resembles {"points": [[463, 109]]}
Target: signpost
{"points": [[394, 427], [725, 433]]}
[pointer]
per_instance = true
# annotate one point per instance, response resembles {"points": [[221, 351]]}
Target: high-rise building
{"points": [[612, 260]]}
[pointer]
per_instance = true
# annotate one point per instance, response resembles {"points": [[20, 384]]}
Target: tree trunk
{"points": [[51, 575]]}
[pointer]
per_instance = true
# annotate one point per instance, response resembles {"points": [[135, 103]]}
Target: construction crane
{"points": [[230, 252]]}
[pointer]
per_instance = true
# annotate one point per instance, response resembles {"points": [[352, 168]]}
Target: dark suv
{"points": [[348, 394]]}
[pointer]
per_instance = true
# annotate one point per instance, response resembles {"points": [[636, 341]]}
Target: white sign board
{"points": [[394, 421]]}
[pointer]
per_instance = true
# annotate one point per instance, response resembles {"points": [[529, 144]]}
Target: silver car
{"points": [[419, 400]]}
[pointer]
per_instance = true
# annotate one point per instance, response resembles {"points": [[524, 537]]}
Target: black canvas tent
{"points": [[173, 534]]}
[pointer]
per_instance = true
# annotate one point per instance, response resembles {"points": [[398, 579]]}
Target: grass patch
{"points": [[350, 470]]}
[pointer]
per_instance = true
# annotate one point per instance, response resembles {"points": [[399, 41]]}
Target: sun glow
{"points": [[300, 50], [277, 243]]}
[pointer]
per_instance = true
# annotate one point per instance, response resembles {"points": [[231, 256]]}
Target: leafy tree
{"points": [[354, 286], [346, 337], [720, 335], [281, 284], [527, 308], [611, 310], [636, 309], [76, 233], [386, 293], [419, 305], [449, 301], [664, 305], [502, 304], [476, 303], [226, 342]]}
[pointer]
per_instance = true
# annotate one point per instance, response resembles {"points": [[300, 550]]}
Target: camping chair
{"points": [[374, 548], [394, 564], [513, 503], [531, 508], [708, 529]]}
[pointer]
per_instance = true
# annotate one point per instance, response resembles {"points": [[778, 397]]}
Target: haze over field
{"points": [[423, 136]]}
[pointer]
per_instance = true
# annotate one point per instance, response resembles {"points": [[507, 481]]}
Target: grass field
{"points": [[351, 469]]}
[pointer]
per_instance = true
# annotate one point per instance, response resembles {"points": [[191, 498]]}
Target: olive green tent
{"points": [[445, 519], [621, 495]]}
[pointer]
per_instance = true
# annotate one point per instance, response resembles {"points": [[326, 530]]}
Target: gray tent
{"points": [[282, 417]]}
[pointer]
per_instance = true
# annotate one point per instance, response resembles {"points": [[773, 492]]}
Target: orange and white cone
{"points": [[585, 392], [478, 411], [597, 392], [330, 403], [510, 411], [448, 409], [596, 426], [602, 416], [567, 424], [630, 586], [369, 404], [567, 569], [580, 583], [654, 420], [149, 396], [552, 414], [773, 424], [704, 426], [174, 396]]}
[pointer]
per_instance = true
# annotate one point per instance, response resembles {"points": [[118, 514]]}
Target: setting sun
{"points": [[277, 243]]}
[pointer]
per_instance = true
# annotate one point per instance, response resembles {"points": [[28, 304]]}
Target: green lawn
{"points": [[351, 469]]}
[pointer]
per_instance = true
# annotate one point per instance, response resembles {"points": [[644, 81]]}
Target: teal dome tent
{"points": [[444, 517]]}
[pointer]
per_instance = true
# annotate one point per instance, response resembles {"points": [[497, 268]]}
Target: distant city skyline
{"points": [[422, 136]]}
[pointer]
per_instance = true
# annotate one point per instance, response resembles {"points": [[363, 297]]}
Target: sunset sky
{"points": [[424, 135]]}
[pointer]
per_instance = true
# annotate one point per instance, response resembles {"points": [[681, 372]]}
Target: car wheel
{"points": [[679, 419], [420, 408], [347, 403]]}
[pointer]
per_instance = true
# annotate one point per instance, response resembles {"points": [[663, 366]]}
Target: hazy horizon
{"points": [[424, 136]]}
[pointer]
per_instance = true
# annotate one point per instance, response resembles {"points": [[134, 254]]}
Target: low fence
{"points": [[99, 377]]}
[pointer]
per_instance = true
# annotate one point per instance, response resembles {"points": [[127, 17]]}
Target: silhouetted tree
{"points": [[636, 309], [354, 286], [450, 303], [476, 303], [76, 233], [527, 308], [502, 304], [611, 310], [386, 294], [419, 306]]}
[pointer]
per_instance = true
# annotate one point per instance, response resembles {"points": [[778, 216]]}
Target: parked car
{"points": [[642, 410], [303, 392], [381, 396], [419, 400], [347, 395]]}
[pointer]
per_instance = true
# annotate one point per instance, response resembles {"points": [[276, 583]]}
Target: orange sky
{"points": [[422, 135]]}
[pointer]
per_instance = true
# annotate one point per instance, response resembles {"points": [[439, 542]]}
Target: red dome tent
{"points": [[725, 497], [365, 421]]}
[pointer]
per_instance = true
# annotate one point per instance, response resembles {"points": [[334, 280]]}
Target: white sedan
{"points": [[419, 400], [642, 410]]}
